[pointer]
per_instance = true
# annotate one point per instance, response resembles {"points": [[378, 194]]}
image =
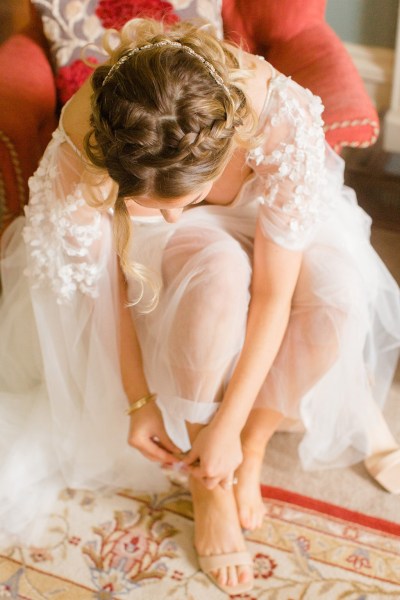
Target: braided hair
{"points": [[161, 125]]}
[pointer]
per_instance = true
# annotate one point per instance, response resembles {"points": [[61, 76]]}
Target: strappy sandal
{"points": [[385, 468], [219, 561]]}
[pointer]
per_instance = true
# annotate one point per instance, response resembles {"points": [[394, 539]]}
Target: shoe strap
{"points": [[218, 561]]}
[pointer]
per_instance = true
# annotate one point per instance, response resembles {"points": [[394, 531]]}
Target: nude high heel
{"points": [[383, 464], [385, 468]]}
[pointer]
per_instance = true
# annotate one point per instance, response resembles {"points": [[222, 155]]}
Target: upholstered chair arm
{"points": [[318, 60], [294, 36], [27, 118]]}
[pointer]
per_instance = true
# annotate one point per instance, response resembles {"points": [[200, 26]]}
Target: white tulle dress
{"points": [[62, 420]]}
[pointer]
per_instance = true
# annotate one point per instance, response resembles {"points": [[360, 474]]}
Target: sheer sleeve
{"points": [[71, 278], [290, 164], [65, 237]]}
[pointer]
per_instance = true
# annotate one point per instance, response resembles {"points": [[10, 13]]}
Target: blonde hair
{"points": [[161, 125]]}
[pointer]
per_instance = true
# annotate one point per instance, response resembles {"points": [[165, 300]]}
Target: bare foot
{"points": [[217, 530], [247, 491]]}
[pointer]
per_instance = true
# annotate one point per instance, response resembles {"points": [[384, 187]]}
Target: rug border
{"points": [[333, 510]]}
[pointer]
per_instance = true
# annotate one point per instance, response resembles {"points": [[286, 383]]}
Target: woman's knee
{"points": [[215, 263], [332, 282], [328, 306]]}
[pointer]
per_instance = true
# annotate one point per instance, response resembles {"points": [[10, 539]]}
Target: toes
{"points": [[259, 516], [232, 576], [222, 576], [251, 519], [244, 574], [262, 516], [248, 523], [258, 519], [217, 576], [245, 518]]}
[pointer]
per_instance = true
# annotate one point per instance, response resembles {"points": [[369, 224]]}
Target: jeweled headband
{"points": [[187, 49]]}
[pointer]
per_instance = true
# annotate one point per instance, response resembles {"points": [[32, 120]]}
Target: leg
{"points": [[383, 462], [190, 342], [318, 334], [202, 319], [309, 349], [279, 395], [264, 419], [260, 427], [206, 334], [218, 531]]}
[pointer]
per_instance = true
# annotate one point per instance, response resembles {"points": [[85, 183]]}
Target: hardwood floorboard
{"points": [[375, 176]]}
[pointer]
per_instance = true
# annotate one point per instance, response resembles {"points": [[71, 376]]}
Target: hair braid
{"points": [[162, 125]]}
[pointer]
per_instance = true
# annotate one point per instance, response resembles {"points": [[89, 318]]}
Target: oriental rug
{"points": [[133, 547]]}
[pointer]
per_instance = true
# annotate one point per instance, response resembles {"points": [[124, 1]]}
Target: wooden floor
{"points": [[375, 176]]}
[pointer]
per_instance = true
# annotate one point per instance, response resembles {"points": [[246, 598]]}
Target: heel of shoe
{"points": [[384, 467]]}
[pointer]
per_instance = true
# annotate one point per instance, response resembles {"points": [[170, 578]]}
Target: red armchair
{"points": [[294, 37], [291, 34], [27, 114]]}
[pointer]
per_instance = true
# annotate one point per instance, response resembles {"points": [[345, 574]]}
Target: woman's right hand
{"points": [[148, 435]]}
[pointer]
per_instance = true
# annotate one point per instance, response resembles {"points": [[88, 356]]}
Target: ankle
{"points": [[200, 492], [253, 451]]}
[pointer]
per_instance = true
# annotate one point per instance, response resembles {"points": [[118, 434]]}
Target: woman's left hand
{"points": [[218, 453]]}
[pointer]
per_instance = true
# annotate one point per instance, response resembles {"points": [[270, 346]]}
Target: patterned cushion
{"points": [[70, 25]]}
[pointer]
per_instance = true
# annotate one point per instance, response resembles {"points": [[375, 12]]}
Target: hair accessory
{"points": [[139, 403], [183, 47]]}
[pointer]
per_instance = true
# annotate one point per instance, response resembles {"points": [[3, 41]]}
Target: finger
{"points": [[156, 459], [227, 483], [162, 455], [149, 456], [154, 452], [195, 472], [190, 457], [210, 482], [166, 443]]}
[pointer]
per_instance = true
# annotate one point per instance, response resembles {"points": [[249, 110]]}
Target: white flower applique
{"points": [[58, 245], [299, 161]]}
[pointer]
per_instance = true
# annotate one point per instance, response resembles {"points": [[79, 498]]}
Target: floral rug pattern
{"points": [[126, 546]]}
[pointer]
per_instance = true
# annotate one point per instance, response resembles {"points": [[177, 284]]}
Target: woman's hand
{"points": [[218, 453], [147, 434]]}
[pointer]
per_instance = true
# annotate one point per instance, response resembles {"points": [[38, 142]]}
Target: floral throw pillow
{"points": [[70, 25]]}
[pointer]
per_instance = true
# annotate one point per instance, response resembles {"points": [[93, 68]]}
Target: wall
{"points": [[365, 22], [368, 29]]}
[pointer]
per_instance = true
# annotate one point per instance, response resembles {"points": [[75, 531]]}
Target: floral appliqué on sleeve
{"points": [[60, 234], [291, 161]]}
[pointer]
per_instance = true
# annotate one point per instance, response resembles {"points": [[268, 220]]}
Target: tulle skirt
{"points": [[62, 421], [62, 405], [337, 358]]}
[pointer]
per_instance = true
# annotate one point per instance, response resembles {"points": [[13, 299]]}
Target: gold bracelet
{"points": [[139, 403]]}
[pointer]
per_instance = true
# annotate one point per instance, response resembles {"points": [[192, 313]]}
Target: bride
{"points": [[190, 256]]}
